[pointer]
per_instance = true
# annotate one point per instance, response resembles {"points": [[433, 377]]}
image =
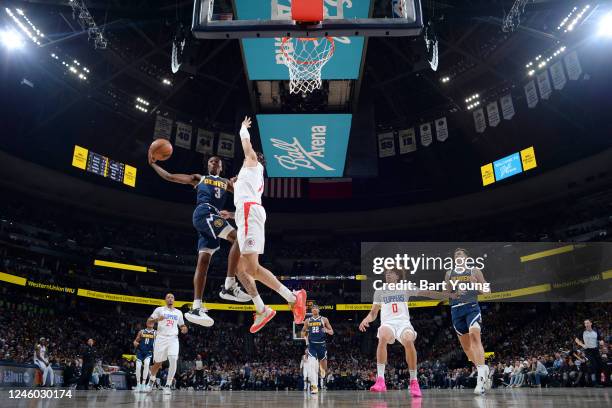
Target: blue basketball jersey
{"points": [[316, 334], [212, 190], [465, 275], [147, 338]]}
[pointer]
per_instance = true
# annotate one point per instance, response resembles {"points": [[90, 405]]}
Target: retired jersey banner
{"points": [[441, 129], [298, 145], [479, 120], [225, 147], [426, 134], [205, 141], [572, 63], [507, 106], [183, 135], [531, 94], [544, 85], [493, 113], [386, 144], [163, 127], [407, 141], [558, 75]]}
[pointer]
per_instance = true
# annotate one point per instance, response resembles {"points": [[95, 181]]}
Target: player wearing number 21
{"points": [[395, 325]]}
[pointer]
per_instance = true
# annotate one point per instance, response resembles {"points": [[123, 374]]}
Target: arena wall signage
{"points": [[305, 145], [263, 56]]}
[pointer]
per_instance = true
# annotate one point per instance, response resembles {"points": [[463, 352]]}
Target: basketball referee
{"points": [[590, 343]]}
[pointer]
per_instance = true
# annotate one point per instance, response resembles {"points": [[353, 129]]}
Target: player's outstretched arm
{"points": [[478, 277], [432, 294], [327, 326], [365, 323], [191, 179], [250, 157]]}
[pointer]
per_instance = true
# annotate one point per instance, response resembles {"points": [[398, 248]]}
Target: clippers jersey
{"points": [[173, 318], [316, 334], [212, 190], [249, 186], [470, 296], [394, 304]]}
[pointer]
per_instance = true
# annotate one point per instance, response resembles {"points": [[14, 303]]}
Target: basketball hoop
{"points": [[305, 58]]}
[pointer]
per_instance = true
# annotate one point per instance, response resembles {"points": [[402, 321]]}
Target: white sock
{"points": [[286, 293], [229, 282], [172, 360], [152, 380], [138, 371], [259, 304], [380, 370], [413, 375], [197, 303], [146, 371], [314, 372], [482, 372]]}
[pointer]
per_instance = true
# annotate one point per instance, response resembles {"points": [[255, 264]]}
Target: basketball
{"points": [[160, 149]]}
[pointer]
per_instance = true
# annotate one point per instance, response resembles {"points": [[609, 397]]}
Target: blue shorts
{"points": [[317, 350], [210, 227], [466, 316], [143, 355]]}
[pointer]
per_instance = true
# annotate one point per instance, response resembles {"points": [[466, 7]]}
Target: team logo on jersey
{"points": [[218, 223], [250, 242]]}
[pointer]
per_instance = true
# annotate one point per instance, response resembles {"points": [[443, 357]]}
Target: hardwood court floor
{"points": [[540, 398]]}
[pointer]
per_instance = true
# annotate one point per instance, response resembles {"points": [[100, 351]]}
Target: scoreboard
{"points": [[103, 166]]}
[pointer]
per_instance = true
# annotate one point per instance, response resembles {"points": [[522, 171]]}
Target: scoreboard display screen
{"points": [[103, 166]]}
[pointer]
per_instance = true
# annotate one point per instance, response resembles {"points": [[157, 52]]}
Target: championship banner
{"points": [[426, 134], [441, 129], [544, 85], [163, 127], [407, 141], [572, 63], [531, 94], [479, 120], [493, 113], [558, 75], [183, 135], [225, 147], [205, 141], [507, 106], [386, 145]]}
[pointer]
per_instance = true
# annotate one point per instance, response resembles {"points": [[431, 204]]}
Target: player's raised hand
{"points": [[363, 326], [246, 122], [151, 158]]}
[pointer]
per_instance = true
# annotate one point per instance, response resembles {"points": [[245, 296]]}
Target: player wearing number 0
{"points": [[144, 352], [166, 347], [211, 226], [466, 317], [250, 219], [314, 331], [395, 325]]}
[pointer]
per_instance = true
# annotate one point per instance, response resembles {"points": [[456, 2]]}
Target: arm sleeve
{"points": [[377, 298], [244, 133], [181, 321]]}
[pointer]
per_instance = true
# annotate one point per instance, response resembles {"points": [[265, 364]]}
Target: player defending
{"points": [[166, 347], [395, 325], [144, 351], [466, 317], [250, 219], [41, 361], [314, 331], [211, 196]]}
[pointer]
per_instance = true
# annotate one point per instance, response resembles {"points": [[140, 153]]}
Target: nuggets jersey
{"points": [[147, 339], [212, 190], [173, 318], [249, 186], [470, 296], [316, 334], [394, 306]]}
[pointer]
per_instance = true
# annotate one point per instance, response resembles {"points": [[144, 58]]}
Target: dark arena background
{"points": [[391, 129]]}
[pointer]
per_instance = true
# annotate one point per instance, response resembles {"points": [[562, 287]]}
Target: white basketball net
{"points": [[305, 58]]}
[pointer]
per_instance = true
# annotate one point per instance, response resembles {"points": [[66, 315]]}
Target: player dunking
{"points": [[466, 317], [250, 219], [395, 325], [211, 196], [166, 347], [314, 331], [144, 352]]}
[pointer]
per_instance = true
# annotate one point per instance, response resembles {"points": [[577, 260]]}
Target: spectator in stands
{"points": [[538, 372]]}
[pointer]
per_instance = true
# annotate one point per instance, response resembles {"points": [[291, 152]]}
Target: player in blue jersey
{"points": [[211, 226], [144, 352], [466, 316], [314, 331]]}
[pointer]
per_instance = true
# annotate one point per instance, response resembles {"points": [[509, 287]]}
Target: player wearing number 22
{"points": [[314, 331], [395, 325], [211, 225]]}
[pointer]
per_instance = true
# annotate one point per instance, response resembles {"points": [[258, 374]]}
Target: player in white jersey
{"points": [[395, 325], [250, 219], [42, 362], [169, 320]]}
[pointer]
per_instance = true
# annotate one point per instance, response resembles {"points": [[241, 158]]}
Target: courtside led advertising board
{"points": [[264, 55], [305, 145]]}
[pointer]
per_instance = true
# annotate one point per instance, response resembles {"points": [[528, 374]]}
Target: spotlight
{"points": [[166, 82], [605, 26], [11, 39]]}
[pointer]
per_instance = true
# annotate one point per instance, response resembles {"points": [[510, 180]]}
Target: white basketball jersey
{"points": [[173, 318], [249, 186], [41, 351], [394, 306]]}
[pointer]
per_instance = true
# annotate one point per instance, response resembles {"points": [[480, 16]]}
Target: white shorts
{"points": [[251, 220], [164, 347], [397, 328]]}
